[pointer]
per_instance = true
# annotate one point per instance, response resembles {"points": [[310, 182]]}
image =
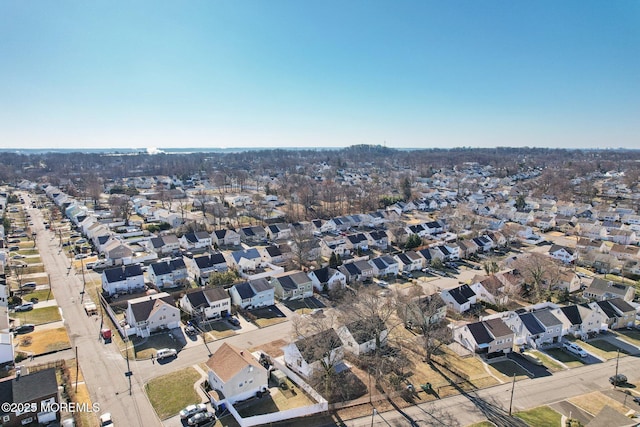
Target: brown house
{"points": [[34, 391]]}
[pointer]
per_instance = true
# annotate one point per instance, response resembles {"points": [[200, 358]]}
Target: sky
{"points": [[324, 73]]}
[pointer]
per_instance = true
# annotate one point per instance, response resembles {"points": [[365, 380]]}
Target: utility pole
{"points": [[615, 379], [77, 368], [84, 281], [128, 373], [513, 387]]}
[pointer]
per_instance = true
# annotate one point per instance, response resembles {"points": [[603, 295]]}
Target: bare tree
{"points": [[302, 243], [121, 205], [539, 272], [425, 314]]}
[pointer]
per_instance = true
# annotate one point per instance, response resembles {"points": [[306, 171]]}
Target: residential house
{"points": [[225, 237], [246, 259], [202, 266], [357, 242], [623, 237], [363, 336], [151, 313], [459, 299], [235, 375], [384, 265], [425, 309], [337, 245], [309, 354], [357, 271], [278, 231], [378, 239], [207, 304], [579, 320], [292, 285], [551, 324], [485, 337], [163, 245], [168, 274], [489, 289], [272, 255], [124, 279], [252, 294], [626, 252], [616, 313], [327, 279], [117, 252], [587, 245], [253, 234], [409, 261], [562, 253], [198, 241], [37, 390], [600, 290], [568, 280]]}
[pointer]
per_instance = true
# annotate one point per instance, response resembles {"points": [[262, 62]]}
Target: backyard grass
{"points": [[30, 251], [276, 401], [483, 424], [32, 260], [41, 342], [39, 316], [32, 269], [542, 416], [595, 401], [145, 348], [170, 393], [219, 329], [564, 357]]}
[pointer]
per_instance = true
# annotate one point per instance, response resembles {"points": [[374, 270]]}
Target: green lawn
{"points": [[542, 416], [170, 393], [602, 348], [549, 362], [147, 347], [42, 295], [33, 260], [39, 316], [483, 424], [568, 359]]}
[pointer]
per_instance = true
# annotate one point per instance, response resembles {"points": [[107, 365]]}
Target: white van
{"points": [[166, 352]]}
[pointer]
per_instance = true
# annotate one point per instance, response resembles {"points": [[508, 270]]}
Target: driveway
{"points": [[536, 371]]}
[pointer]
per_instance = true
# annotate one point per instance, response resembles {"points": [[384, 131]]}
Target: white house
{"points": [[152, 313], [235, 375], [252, 294], [123, 279], [207, 304], [308, 354], [363, 335], [330, 277], [168, 274], [562, 253]]}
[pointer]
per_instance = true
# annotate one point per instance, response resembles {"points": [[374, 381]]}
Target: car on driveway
{"points": [[201, 418], [163, 353], [575, 349], [24, 306], [637, 399], [233, 321], [191, 410], [24, 329], [190, 330]]}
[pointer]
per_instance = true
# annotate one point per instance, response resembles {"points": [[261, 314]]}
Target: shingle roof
{"points": [[29, 387], [260, 285], [121, 273], [480, 333], [572, 313], [227, 361], [215, 294], [312, 348], [142, 309], [462, 293], [531, 323], [497, 327], [197, 299], [547, 318], [621, 305], [365, 330], [245, 290]]}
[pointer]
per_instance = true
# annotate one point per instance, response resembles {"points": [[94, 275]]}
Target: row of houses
{"points": [[543, 325]]}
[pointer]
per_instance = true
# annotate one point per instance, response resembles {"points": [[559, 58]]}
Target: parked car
{"points": [[26, 306], [18, 256], [575, 349], [233, 321], [80, 241], [637, 399], [163, 353], [190, 330], [24, 329], [14, 248], [200, 418], [28, 286], [80, 256], [106, 420], [192, 410], [618, 379]]}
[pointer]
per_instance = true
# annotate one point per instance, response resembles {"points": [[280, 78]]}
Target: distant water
{"points": [[132, 151]]}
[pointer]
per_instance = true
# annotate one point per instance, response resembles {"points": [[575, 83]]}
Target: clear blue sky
{"points": [[103, 74]]}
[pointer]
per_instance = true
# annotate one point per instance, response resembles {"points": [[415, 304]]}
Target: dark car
{"points": [[190, 330], [200, 418], [233, 321], [618, 380], [24, 329]]}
